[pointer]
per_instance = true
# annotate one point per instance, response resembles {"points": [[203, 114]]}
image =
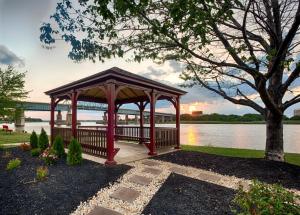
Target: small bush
{"points": [[34, 140], [49, 156], [13, 164], [41, 173], [58, 147], [7, 154], [265, 199], [35, 152], [25, 147], [74, 156], [43, 140]]}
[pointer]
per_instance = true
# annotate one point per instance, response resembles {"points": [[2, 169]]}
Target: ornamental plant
{"points": [[58, 147], [49, 156], [43, 140], [25, 147], [35, 152], [74, 156], [265, 199], [41, 173], [34, 140], [13, 164]]}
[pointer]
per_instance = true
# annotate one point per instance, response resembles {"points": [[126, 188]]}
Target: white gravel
{"points": [[102, 198]]}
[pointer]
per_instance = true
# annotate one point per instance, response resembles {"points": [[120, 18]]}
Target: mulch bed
{"points": [[183, 195], [285, 174], [63, 190]]}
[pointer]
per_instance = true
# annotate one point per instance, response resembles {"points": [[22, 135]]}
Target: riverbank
{"points": [[291, 158]]}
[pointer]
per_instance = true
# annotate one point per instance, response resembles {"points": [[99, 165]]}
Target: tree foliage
{"points": [[233, 48], [246, 51], [12, 83], [43, 140]]}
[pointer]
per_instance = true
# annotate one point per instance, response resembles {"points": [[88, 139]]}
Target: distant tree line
{"points": [[249, 117]]}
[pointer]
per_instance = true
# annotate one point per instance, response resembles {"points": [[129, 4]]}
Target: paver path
{"points": [[134, 190]]}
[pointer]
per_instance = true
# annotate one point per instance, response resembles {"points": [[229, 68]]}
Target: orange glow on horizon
{"points": [[195, 106]]}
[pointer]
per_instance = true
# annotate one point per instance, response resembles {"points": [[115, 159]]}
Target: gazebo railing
{"points": [[92, 141], [93, 138], [165, 137]]}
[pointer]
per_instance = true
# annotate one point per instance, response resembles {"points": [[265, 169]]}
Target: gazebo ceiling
{"points": [[131, 87]]}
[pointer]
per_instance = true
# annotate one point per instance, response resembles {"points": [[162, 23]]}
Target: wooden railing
{"points": [[92, 141], [132, 133], [65, 133], [165, 137]]}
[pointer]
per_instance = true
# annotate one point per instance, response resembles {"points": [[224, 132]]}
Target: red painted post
{"points": [[110, 124], [74, 114], [141, 107], [152, 147], [178, 122], [52, 109]]}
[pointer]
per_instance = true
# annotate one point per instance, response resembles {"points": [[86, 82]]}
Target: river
{"points": [[250, 136]]}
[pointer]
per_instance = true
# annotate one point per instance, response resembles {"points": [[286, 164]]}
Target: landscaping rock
{"points": [[125, 194], [152, 171], [103, 211], [141, 180]]}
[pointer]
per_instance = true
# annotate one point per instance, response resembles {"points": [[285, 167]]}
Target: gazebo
{"points": [[116, 87]]}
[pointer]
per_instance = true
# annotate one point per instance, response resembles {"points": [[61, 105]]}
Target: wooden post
{"points": [[142, 108], [178, 122], [111, 94], [152, 147], [52, 109], [74, 114]]}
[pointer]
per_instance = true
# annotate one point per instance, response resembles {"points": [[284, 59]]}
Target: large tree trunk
{"points": [[274, 144]]}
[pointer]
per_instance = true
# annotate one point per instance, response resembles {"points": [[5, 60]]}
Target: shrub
{"points": [[43, 140], [58, 147], [74, 156], [41, 173], [7, 154], [25, 147], [34, 140], [13, 164], [35, 152], [49, 156], [265, 199]]}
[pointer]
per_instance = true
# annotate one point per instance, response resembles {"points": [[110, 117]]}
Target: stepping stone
{"points": [[209, 177], [141, 180], [245, 185], [103, 211], [178, 170], [125, 194], [152, 171], [150, 163]]}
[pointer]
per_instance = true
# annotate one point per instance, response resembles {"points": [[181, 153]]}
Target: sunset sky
{"points": [[19, 45]]}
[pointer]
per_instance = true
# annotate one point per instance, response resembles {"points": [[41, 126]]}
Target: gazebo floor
{"points": [[129, 152]]}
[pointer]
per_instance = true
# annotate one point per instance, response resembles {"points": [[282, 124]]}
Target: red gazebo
{"points": [[117, 87]]}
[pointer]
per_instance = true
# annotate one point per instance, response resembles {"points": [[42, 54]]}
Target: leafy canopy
{"points": [[245, 51], [12, 84]]}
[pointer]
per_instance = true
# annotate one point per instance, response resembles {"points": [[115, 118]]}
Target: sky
{"points": [[46, 69]]}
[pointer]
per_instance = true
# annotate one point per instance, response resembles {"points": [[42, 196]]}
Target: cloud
{"points": [[7, 57]]}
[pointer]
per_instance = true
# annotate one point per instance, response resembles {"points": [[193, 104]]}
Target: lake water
{"points": [[223, 135]]}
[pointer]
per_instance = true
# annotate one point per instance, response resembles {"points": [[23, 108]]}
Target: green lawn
{"points": [[243, 153], [14, 137]]}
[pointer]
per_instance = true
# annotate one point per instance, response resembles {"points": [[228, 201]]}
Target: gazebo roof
{"points": [[134, 86]]}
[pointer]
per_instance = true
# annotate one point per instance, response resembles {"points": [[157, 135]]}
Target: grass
{"points": [[290, 122], [291, 158], [14, 137]]}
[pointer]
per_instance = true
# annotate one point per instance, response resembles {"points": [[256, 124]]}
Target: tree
{"points": [[11, 91], [243, 50]]}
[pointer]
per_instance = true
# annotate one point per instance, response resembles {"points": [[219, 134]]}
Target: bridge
{"points": [[91, 106]]}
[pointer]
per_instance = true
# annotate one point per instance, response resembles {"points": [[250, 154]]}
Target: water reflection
{"points": [[236, 136]]}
